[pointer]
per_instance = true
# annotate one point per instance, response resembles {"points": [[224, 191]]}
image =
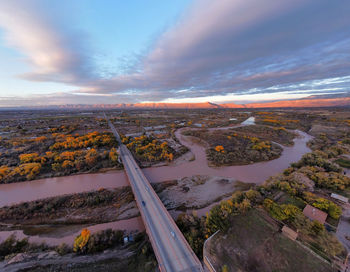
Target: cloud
{"points": [[217, 48], [55, 53], [233, 46]]}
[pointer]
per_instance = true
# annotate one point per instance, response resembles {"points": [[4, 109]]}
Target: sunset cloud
{"points": [[234, 46], [216, 48]]}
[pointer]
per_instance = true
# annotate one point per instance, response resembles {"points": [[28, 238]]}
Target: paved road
{"points": [[171, 248]]}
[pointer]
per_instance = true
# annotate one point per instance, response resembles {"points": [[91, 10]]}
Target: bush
{"points": [[12, 245], [317, 158], [63, 249], [331, 180], [193, 228], [284, 212], [104, 239], [97, 242], [316, 227]]}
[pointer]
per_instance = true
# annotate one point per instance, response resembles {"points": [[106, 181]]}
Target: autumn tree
{"points": [[91, 157], [113, 155], [67, 164], [81, 240], [30, 157], [30, 170], [56, 167], [219, 148], [40, 139], [4, 171]]}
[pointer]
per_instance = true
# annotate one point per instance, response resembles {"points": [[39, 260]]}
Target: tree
{"points": [[4, 171], [91, 157], [219, 148], [56, 167], [67, 155], [30, 157], [79, 164], [224, 268], [40, 139], [68, 164], [316, 227], [81, 240], [113, 155], [30, 170]]}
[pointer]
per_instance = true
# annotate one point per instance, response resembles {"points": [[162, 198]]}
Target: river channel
{"points": [[38, 189]]}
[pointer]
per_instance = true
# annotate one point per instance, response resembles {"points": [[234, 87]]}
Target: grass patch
{"points": [[255, 244], [288, 199]]}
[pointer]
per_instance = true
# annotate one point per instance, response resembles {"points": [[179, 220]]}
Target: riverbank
{"points": [[55, 219], [195, 164]]}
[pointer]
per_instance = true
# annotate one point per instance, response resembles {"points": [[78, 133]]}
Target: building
{"points": [[315, 214], [340, 198], [291, 234]]}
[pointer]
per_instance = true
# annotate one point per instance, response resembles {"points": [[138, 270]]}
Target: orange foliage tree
{"points": [[81, 240], [219, 148], [91, 157], [4, 171], [40, 139], [67, 164], [30, 157], [30, 170]]}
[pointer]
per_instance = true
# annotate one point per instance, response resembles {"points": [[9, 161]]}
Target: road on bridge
{"points": [[170, 246]]}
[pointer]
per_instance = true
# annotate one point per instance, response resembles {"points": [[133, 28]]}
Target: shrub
{"points": [[63, 249], [97, 242], [316, 227], [284, 212], [12, 245], [317, 158]]}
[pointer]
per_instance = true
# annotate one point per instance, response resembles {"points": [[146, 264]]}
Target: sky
{"points": [[115, 51]]}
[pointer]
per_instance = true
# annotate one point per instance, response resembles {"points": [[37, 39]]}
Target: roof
{"points": [[289, 233], [315, 214], [339, 197]]}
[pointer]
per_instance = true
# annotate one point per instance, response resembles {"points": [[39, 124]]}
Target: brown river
{"points": [[37, 189]]}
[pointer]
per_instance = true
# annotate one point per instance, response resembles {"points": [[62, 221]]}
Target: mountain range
{"points": [[312, 101]]}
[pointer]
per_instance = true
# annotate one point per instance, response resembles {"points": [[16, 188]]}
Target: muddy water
{"points": [[42, 188], [26, 191], [257, 173], [67, 234]]}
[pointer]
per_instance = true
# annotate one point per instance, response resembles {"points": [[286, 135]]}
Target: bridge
{"points": [[172, 251]]}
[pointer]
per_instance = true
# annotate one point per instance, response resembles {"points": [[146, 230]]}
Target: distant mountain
{"points": [[205, 105], [305, 102], [311, 101]]}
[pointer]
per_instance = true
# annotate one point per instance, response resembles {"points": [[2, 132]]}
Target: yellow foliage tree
{"points": [[113, 155], [91, 157], [67, 155], [67, 164], [30, 157], [81, 240], [29, 169], [4, 171]]}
